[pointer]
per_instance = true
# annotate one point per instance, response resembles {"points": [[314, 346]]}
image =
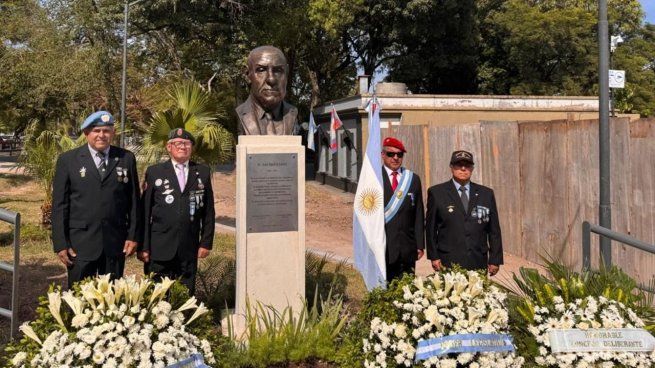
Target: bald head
{"points": [[267, 72]]}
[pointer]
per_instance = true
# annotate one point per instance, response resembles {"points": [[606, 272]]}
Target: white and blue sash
{"points": [[399, 195]]}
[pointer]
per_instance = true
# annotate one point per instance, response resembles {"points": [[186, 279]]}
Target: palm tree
{"points": [[39, 157], [195, 111]]}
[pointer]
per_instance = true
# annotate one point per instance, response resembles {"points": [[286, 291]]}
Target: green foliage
{"points": [[194, 111], [438, 47], [40, 151], [534, 289], [216, 283], [288, 336], [637, 57], [320, 282], [378, 303]]}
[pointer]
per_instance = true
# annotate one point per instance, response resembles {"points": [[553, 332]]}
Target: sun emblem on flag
{"points": [[369, 201]]}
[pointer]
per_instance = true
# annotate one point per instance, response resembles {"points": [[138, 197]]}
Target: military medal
{"points": [[83, 172], [125, 180], [158, 182], [201, 186], [192, 205], [168, 191], [479, 214], [169, 199]]}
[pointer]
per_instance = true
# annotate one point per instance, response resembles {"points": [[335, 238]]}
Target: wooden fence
{"points": [[545, 176]]}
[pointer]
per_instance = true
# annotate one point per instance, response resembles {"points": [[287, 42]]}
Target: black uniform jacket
{"points": [[169, 227], [90, 215], [405, 231], [457, 238]]}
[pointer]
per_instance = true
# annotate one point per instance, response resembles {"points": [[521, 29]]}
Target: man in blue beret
{"points": [[179, 213], [96, 217]]}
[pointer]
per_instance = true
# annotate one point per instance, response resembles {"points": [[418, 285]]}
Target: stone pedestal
{"points": [[270, 224]]}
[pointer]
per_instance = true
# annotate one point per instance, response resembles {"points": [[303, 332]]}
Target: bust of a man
{"points": [[265, 112]]}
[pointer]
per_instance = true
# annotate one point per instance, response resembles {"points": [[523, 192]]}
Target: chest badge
{"points": [[451, 208], [399, 194], [169, 199], [158, 182], [83, 172]]}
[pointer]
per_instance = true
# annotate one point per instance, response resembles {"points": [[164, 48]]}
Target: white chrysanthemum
{"points": [[443, 304]]}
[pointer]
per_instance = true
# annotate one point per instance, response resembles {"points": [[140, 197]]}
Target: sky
{"points": [[649, 9]]}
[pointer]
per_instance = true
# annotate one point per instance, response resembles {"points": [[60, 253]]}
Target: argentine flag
{"points": [[369, 239]]}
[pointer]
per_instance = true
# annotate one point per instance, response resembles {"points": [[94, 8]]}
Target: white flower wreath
{"points": [[446, 304], [584, 314], [115, 324]]}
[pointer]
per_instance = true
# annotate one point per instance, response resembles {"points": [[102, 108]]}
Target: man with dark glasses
{"points": [[462, 224], [403, 211]]}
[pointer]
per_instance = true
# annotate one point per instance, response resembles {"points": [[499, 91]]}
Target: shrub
{"points": [[279, 338]]}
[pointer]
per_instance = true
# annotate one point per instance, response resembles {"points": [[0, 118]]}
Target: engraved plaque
{"points": [[272, 193]]}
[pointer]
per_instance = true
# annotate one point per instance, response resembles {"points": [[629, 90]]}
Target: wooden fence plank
{"points": [[444, 140], [412, 138], [582, 180], [642, 200], [628, 258], [544, 192], [499, 166]]}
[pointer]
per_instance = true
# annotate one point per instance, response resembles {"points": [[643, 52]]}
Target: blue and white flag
{"points": [[369, 239], [194, 361], [310, 133]]}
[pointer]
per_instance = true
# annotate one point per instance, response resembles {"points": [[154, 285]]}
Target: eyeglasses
{"points": [[179, 144], [463, 165], [392, 154]]}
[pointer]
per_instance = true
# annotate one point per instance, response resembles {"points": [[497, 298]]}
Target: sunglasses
{"points": [[392, 154]]}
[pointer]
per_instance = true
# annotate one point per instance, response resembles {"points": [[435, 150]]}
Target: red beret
{"points": [[393, 142]]}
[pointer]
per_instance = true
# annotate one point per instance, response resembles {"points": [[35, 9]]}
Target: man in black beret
{"points": [[462, 224], [179, 213]]}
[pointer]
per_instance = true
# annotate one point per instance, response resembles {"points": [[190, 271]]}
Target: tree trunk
{"points": [[46, 214], [316, 90]]}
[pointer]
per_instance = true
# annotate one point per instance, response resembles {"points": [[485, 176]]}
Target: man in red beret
{"points": [[403, 211]]}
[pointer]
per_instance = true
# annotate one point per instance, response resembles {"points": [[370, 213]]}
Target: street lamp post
{"points": [[604, 209], [124, 76]]}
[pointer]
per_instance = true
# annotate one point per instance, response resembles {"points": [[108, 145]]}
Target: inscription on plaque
{"points": [[272, 193]]}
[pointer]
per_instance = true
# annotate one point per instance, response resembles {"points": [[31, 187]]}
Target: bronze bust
{"points": [[265, 112]]}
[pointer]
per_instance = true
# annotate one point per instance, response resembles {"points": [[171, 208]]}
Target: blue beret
{"points": [[98, 118], [181, 133]]}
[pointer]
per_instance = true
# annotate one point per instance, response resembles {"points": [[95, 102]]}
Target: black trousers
{"points": [[397, 269], [181, 269], [101, 266]]}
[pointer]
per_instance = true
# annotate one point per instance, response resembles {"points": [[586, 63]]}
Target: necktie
{"points": [[270, 124], [394, 181], [181, 178], [465, 198], [102, 168]]}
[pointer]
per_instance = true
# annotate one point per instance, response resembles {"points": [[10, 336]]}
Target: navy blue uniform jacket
{"points": [[455, 237], [91, 215]]}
